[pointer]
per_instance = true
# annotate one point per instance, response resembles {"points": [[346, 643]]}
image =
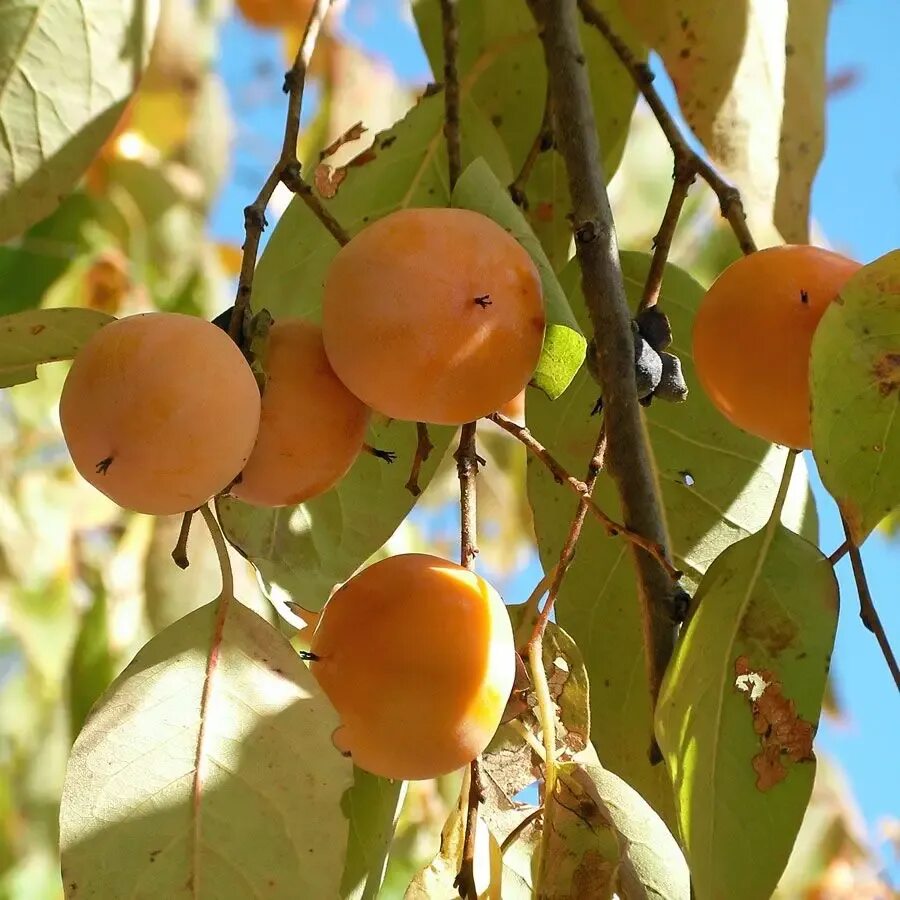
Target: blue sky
{"points": [[856, 201]]}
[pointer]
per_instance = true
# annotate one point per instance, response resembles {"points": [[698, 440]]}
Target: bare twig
{"points": [[543, 141], [729, 197], [867, 611], [467, 460], [286, 170], [179, 554], [561, 476], [840, 553], [465, 878], [451, 89], [662, 243], [628, 456], [423, 451]]}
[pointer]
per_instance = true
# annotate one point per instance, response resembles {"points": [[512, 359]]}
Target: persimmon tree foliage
{"points": [[240, 657]]}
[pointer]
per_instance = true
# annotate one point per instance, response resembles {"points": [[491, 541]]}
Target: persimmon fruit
{"points": [[311, 429], [416, 655], [753, 333], [275, 13], [433, 315], [160, 411]]}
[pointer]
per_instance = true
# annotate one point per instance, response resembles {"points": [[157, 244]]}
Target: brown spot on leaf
{"points": [[328, 180], [782, 733], [886, 372], [544, 212], [37, 329], [593, 875], [766, 626], [353, 133]]}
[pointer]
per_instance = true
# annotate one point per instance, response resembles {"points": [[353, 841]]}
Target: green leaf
{"points": [[564, 345], [29, 267], [307, 549], [66, 72], [750, 79], [371, 806], [207, 769], [739, 706], [93, 666], [29, 339], [717, 483], [855, 388]]}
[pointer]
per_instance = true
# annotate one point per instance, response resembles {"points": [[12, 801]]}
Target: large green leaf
{"points": [[33, 337], [307, 549], [207, 770], [564, 344], [739, 706], [855, 387], [717, 483], [66, 72], [501, 68], [750, 78]]}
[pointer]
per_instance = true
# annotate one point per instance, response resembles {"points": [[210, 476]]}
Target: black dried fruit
{"points": [[672, 386], [647, 367], [654, 325]]}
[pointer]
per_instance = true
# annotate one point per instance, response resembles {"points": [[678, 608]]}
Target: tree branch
{"points": [[867, 611], [467, 460], [451, 89], [729, 197], [561, 476], [286, 169], [628, 456], [423, 451]]}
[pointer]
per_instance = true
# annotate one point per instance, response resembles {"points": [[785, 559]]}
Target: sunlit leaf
{"points": [[564, 344], [855, 377], [750, 79], [29, 339], [66, 71], [739, 707], [718, 484], [207, 768]]}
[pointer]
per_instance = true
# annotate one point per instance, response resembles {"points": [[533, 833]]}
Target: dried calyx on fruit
{"points": [[647, 365]]}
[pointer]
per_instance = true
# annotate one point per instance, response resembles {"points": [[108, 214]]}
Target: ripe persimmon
{"points": [[275, 13], [433, 315], [311, 428], [416, 654], [160, 411], [753, 334]]}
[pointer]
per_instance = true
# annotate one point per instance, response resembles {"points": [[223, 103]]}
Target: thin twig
{"points": [[628, 454], [465, 878], [451, 89], [867, 611], [467, 459], [561, 476], [286, 169], [387, 456], [840, 553], [662, 243], [513, 836], [542, 142], [729, 197], [423, 451], [179, 554]]}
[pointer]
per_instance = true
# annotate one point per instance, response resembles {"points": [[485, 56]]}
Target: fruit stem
{"points": [[179, 553], [218, 539]]}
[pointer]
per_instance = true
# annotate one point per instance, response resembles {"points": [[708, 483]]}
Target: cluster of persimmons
{"points": [[428, 315]]}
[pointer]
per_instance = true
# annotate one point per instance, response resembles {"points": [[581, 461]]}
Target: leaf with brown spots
{"points": [[29, 339], [855, 390], [739, 706], [775, 720], [353, 133]]}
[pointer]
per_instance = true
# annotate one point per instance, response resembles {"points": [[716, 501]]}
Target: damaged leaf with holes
{"points": [[740, 705]]}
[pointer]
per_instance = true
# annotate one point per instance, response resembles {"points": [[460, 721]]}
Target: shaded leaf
{"points": [[739, 705], [207, 770], [717, 483], [855, 377], [29, 339], [66, 72], [93, 666], [564, 344]]}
